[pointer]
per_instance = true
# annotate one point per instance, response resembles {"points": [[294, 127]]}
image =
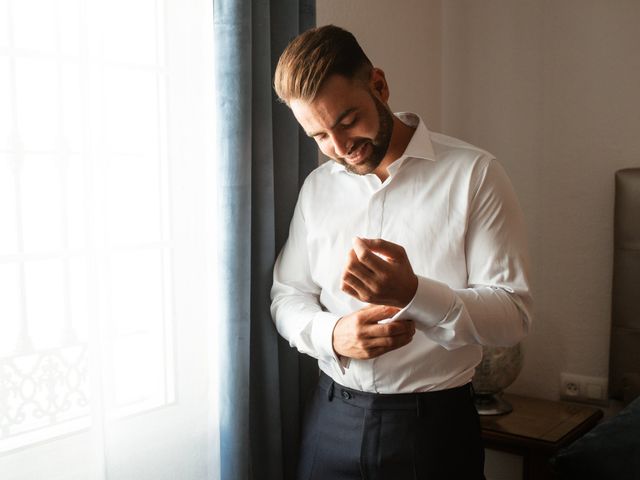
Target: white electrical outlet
{"points": [[582, 388]]}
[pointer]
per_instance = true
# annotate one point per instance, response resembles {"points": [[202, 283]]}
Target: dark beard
{"points": [[379, 145]]}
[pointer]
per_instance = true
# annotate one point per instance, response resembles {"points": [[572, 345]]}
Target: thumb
{"points": [[389, 250]]}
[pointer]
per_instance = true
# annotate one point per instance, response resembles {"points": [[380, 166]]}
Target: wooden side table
{"points": [[536, 430]]}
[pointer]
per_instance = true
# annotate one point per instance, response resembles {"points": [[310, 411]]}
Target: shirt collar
{"points": [[419, 146]]}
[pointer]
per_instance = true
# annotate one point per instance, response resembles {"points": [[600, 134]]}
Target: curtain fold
{"points": [[262, 160]]}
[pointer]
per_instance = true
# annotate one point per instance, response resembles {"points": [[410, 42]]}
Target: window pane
{"points": [[133, 199], [76, 202], [41, 203], [69, 26], [45, 292], [141, 342], [139, 23], [8, 234], [34, 24], [9, 307], [37, 97], [136, 292], [80, 292], [139, 369], [6, 122], [4, 24], [131, 108], [72, 95]]}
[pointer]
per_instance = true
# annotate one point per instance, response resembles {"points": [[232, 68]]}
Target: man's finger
{"points": [[389, 343], [376, 352], [367, 256], [353, 260], [359, 269], [391, 251], [354, 284], [375, 313], [349, 290], [393, 329]]}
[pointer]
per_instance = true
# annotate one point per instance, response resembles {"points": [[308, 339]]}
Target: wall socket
{"points": [[581, 388]]}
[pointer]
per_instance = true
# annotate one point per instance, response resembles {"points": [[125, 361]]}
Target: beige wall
{"points": [[552, 89], [401, 37]]}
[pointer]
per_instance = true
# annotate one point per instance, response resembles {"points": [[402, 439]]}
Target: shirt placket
{"points": [[374, 229]]}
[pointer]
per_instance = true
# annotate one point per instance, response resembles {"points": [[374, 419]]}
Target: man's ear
{"points": [[379, 85]]}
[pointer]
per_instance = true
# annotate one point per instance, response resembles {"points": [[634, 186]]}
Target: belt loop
{"points": [[330, 391], [417, 405]]}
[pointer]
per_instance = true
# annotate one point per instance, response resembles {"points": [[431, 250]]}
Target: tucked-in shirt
{"points": [[452, 207]]}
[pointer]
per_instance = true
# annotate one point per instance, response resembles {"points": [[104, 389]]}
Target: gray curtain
{"points": [[263, 160]]}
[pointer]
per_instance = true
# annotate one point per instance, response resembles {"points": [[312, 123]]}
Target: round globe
{"points": [[498, 369]]}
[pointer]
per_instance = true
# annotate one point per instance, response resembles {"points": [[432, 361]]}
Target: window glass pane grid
{"points": [[70, 60]]}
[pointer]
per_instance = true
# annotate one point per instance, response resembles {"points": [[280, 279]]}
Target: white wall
{"points": [[552, 89]]}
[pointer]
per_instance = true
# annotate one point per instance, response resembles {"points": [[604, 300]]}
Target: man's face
{"points": [[349, 122]]}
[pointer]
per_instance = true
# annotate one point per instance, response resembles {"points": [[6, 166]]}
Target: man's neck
{"points": [[400, 138]]}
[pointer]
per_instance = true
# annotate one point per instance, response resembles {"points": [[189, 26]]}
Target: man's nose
{"points": [[341, 144]]}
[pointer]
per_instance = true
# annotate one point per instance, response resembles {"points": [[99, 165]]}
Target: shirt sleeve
{"points": [[295, 305], [495, 308]]}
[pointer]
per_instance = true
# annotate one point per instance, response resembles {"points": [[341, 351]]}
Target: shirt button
{"points": [[346, 395]]}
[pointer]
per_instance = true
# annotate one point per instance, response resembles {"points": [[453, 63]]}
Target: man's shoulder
{"points": [[454, 148], [327, 171], [460, 162], [321, 172], [318, 178]]}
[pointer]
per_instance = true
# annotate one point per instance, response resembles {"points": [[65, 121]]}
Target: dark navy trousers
{"points": [[349, 435]]}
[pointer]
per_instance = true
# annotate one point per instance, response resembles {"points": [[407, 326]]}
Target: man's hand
{"points": [[379, 272], [359, 335]]}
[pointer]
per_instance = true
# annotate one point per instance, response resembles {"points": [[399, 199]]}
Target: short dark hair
{"points": [[314, 56]]}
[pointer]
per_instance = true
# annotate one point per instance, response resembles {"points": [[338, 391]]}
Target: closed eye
{"points": [[349, 122]]}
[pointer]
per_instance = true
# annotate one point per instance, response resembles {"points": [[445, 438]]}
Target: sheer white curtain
{"points": [[107, 242]]}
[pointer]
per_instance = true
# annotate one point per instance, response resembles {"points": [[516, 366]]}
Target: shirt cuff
{"points": [[430, 305], [323, 325]]}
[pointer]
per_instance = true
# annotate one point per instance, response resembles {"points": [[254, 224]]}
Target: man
{"points": [[405, 255]]}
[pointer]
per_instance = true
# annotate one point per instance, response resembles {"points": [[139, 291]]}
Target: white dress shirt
{"points": [[452, 207]]}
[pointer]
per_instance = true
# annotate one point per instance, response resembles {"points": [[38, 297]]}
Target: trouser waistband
{"points": [[394, 401]]}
